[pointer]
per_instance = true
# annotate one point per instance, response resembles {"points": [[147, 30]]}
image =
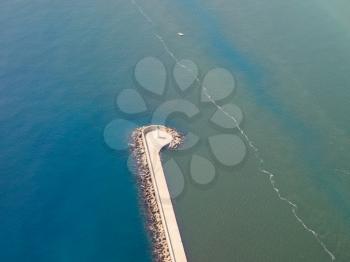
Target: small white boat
{"points": [[180, 34]]}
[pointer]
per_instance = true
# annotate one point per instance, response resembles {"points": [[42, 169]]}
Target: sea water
{"points": [[66, 196]]}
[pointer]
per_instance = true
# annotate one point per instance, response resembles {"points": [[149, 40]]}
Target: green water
{"points": [[66, 196], [291, 61]]}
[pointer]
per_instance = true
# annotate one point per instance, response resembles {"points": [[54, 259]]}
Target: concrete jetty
{"points": [[146, 145]]}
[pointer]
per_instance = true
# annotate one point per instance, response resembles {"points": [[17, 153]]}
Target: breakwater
{"points": [[161, 221]]}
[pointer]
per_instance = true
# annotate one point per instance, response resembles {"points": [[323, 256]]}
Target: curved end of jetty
{"points": [[146, 144]]}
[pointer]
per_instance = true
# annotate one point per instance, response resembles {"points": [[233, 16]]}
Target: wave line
{"points": [[269, 174]]}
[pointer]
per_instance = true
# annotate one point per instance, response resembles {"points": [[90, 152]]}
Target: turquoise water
{"points": [[66, 196]]}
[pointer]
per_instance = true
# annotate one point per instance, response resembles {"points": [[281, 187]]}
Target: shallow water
{"points": [[66, 196]]}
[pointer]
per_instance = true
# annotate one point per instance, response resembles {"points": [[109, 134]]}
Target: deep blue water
{"points": [[64, 195]]}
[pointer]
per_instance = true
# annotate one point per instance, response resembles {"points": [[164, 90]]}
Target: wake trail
{"points": [[271, 176]]}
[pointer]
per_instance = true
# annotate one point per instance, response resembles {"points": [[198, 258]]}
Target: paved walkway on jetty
{"points": [[155, 138]]}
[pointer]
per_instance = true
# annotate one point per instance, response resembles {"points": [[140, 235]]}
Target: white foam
{"points": [[251, 144]]}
